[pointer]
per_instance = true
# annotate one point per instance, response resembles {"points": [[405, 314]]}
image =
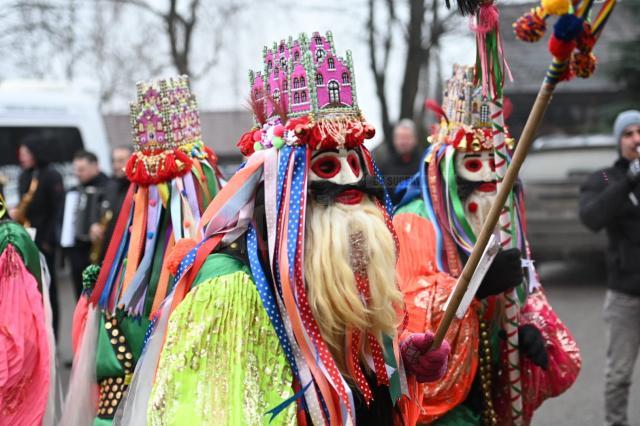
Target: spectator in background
{"points": [[85, 206], [41, 199], [115, 192], [402, 162], [610, 200]]}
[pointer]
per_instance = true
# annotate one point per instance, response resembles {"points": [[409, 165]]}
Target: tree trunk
{"points": [[415, 58]]}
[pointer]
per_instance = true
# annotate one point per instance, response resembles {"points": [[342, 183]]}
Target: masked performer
{"points": [[442, 211], [173, 178], [27, 345], [291, 299]]}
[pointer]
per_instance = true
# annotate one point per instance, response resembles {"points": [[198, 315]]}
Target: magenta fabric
{"points": [[24, 351], [564, 360], [420, 360]]}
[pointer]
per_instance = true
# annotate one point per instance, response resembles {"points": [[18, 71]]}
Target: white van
{"points": [[67, 116]]}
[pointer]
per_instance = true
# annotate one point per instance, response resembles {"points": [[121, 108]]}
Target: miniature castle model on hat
{"points": [[166, 131], [305, 94], [466, 119]]}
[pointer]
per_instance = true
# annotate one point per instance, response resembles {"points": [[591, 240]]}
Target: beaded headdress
{"points": [[166, 131], [465, 114], [305, 95]]}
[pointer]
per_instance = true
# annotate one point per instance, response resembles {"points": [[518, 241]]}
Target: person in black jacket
{"points": [[401, 161], [91, 189], [610, 200], [41, 199]]}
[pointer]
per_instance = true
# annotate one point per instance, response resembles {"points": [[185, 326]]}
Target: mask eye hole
{"points": [[354, 163], [473, 165], [326, 167]]}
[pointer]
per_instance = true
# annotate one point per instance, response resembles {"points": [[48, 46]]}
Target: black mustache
{"points": [[325, 192], [466, 187]]}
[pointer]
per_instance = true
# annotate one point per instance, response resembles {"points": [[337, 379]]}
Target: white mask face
{"points": [[477, 206], [476, 167], [342, 167]]}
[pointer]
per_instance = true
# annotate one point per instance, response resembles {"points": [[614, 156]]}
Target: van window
{"points": [[65, 142]]}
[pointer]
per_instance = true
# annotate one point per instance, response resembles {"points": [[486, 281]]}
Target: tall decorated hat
{"points": [[165, 125], [305, 95], [465, 115]]}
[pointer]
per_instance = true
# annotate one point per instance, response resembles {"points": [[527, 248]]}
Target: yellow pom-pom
{"points": [[556, 7]]}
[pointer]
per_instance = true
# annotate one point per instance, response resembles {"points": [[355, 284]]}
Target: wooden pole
{"points": [[522, 148]]}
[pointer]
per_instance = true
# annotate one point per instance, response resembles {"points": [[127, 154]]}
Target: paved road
{"points": [[576, 293]]}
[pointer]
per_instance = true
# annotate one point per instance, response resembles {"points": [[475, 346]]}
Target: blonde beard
{"points": [[335, 301]]}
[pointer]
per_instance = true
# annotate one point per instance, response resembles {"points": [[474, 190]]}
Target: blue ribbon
{"points": [[284, 404], [268, 300], [118, 261]]}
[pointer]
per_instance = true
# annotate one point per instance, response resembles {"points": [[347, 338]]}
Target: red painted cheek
{"points": [[473, 207]]}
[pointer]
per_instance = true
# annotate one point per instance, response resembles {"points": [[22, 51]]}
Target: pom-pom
{"points": [[583, 64], [568, 27], [154, 166], [556, 7], [561, 49], [369, 131], [257, 135], [530, 27], [245, 144], [178, 252], [277, 142], [257, 146], [89, 278], [586, 40], [278, 130]]}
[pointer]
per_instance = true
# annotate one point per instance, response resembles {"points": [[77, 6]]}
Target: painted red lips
{"points": [[350, 196], [487, 187]]}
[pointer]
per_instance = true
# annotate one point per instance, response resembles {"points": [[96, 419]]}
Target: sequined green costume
{"points": [[217, 340]]}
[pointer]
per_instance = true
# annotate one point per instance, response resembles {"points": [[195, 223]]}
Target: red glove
{"points": [[426, 364]]}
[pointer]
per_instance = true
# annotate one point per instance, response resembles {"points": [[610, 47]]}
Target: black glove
{"points": [[633, 173], [532, 345], [504, 273]]}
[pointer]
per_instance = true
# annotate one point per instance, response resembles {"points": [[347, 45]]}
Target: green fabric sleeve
{"points": [[416, 207]]}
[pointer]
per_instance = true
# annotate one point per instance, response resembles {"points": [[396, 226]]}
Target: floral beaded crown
{"points": [[305, 95], [166, 131]]}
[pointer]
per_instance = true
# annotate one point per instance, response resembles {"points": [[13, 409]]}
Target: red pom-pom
{"points": [[257, 136], [583, 65], [369, 131], [530, 27], [245, 144], [278, 131], [561, 49], [178, 252], [586, 40]]}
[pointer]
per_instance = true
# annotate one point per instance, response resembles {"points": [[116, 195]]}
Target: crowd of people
{"points": [[302, 290]]}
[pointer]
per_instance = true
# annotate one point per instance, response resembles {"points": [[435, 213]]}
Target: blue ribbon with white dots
{"points": [[268, 300]]}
